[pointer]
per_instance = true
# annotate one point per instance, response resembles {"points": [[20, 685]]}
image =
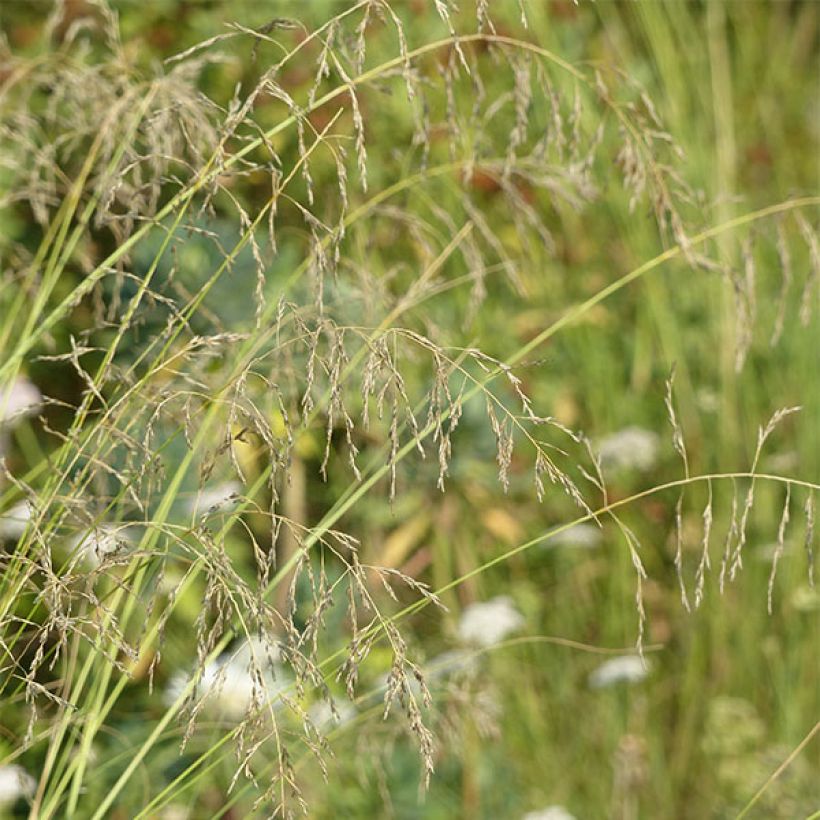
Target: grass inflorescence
{"points": [[263, 296]]}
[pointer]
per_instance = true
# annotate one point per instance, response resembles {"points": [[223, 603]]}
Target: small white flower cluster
{"points": [[481, 625], [219, 498], [489, 622], [102, 541], [632, 448], [549, 813], [623, 669], [13, 521], [18, 399], [15, 782], [175, 811], [228, 685]]}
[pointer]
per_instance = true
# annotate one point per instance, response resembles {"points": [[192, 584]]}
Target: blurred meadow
{"points": [[409, 410]]}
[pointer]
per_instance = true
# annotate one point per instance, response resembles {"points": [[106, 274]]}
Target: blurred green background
{"points": [[730, 690]]}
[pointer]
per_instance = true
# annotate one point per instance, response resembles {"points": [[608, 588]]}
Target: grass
{"points": [[320, 271]]}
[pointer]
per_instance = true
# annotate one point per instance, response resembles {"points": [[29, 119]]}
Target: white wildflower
{"points": [[18, 399], [322, 717], [489, 622], [549, 813], [219, 498], [102, 541], [626, 669], [632, 448], [580, 536], [15, 782], [13, 521], [228, 684]]}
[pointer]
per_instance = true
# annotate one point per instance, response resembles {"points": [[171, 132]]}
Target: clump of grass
{"points": [[328, 355]]}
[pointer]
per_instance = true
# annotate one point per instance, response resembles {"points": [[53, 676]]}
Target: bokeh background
{"points": [[528, 718]]}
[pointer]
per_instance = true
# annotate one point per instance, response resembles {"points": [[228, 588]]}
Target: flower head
{"points": [[236, 681], [102, 541], [221, 497], [15, 782], [624, 669], [13, 522], [175, 811], [632, 448], [18, 399], [489, 622], [549, 813]]}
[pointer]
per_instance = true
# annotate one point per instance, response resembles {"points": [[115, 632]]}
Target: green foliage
{"points": [[269, 287]]}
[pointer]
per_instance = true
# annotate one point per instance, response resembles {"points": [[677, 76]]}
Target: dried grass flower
{"points": [[101, 542], [580, 536], [13, 522], [218, 498], [237, 682], [18, 399]]}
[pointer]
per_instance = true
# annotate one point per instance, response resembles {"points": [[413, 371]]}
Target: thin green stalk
{"points": [[79, 762], [594, 515], [54, 239], [211, 170], [340, 508], [350, 499], [573, 314], [568, 318], [779, 770], [605, 509]]}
